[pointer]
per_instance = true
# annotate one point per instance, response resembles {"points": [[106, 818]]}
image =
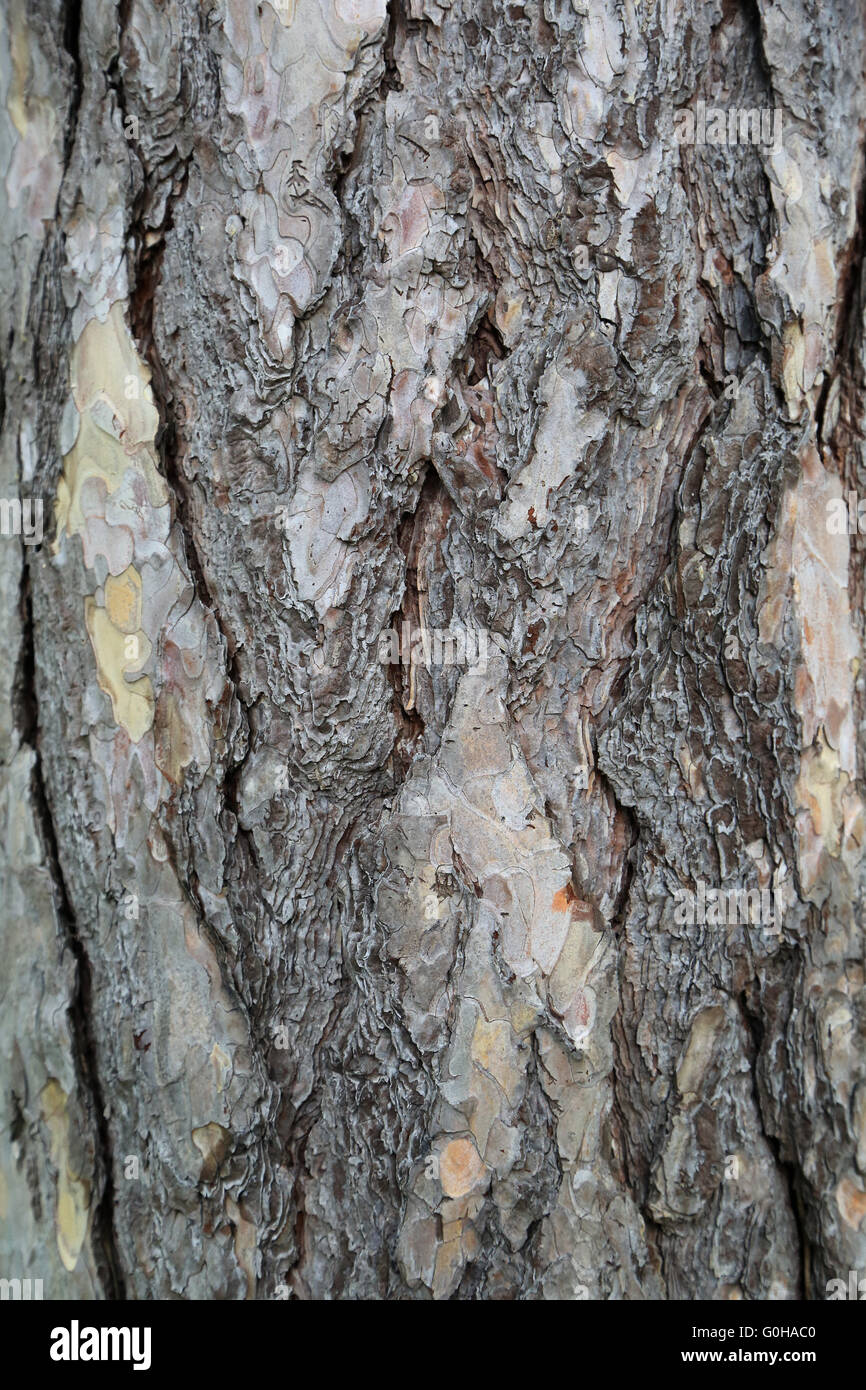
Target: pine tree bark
{"points": [[331, 970]]}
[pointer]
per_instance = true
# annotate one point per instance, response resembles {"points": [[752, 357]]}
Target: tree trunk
{"points": [[432, 736]]}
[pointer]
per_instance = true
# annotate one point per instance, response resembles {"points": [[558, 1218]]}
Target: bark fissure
{"points": [[786, 1167], [87, 1052], [72, 46]]}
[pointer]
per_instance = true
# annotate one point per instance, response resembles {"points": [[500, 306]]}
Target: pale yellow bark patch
{"points": [[73, 1191], [131, 702]]}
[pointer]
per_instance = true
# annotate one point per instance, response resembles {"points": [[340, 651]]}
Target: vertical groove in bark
{"points": [[71, 43], [86, 1049]]}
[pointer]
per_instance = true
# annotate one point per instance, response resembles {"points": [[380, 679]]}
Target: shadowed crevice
{"points": [[85, 1053]]}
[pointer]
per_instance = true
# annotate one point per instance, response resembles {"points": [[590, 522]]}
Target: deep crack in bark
{"points": [[86, 1052]]}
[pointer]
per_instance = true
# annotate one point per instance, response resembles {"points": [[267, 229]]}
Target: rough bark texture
{"points": [[328, 977]]}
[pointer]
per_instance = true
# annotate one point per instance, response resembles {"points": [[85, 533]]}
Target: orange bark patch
{"points": [[564, 898], [851, 1201], [459, 1167]]}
